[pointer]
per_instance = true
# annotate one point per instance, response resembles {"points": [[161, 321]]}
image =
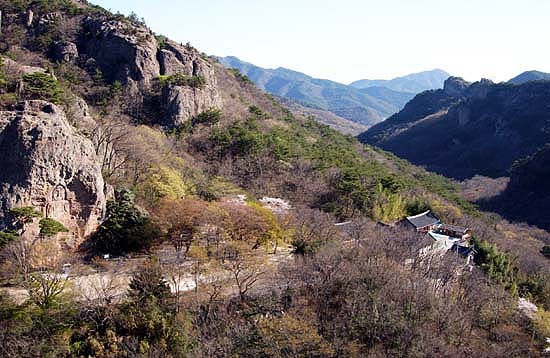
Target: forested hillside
{"points": [[157, 204], [468, 129]]}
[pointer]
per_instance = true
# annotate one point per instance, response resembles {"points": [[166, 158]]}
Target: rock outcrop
{"points": [[131, 54], [455, 86], [64, 51], [123, 52], [46, 164], [183, 102]]}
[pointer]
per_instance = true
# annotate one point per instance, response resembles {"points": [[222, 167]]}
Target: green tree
{"points": [[208, 117], [40, 85], [497, 264], [6, 237], [23, 216], [125, 228]]}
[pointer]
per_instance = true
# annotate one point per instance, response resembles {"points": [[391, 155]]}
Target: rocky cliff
{"points": [[181, 102], [468, 129], [133, 55], [46, 164], [527, 196]]}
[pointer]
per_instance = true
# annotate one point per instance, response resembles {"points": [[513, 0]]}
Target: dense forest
{"points": [[185, 213]]}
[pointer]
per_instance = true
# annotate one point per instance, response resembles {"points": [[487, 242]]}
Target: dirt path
{"points": [[111, 285]]}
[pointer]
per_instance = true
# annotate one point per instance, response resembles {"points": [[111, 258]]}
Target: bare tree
{"points": [[109, 137], [45, 287], [245, 266], [17, 259]]}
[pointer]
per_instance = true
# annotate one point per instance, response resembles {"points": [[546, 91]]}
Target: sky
{"points": [[348, 40]]}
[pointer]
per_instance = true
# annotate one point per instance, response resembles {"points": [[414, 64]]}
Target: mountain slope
{"points": [[464, 130], [413, 83], [365, 107], [527, 197], [530, 76], [330, 119]]}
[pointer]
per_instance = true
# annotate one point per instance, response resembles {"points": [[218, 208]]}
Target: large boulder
{"points": [[46, 164], [64, 51]]}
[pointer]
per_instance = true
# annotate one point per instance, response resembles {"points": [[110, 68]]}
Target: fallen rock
{"points": [[527, 308], [46, 164]]}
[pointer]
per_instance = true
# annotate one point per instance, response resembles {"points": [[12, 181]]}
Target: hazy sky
{"points": [[347, 40]]}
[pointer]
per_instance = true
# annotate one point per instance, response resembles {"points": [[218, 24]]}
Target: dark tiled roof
{"points": [[423, 220]]}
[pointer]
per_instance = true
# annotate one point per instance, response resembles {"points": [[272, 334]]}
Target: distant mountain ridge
{"points": [[366, 106], [412, 83]]}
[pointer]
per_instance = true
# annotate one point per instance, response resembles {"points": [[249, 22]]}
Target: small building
{"points": [[458, 232], [424, 222]]}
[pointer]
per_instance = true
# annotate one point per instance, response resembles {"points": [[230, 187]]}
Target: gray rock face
{"points": [[175, 59], [122, 51], [479, 90], [455, 86], [16, 68], [46, 164], [64, 51], [130, 53], [183, 102]]}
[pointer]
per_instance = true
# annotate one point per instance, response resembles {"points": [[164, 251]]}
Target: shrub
{"points": [[24, 215], [50, 227], [165, 182], [208, 117], [6, 237], [40, 85], [497, 264], [180, 79], [541, 324], [148, 283], [161, 39], [536, 288], [255, 110]]}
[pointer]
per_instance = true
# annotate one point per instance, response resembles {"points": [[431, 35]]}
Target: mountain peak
{"points": [[529, 76]]}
